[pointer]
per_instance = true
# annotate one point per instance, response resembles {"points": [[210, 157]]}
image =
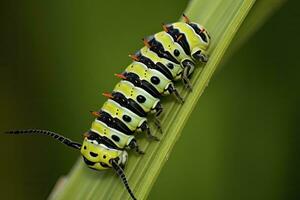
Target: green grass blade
{"points": [[222, 18]]}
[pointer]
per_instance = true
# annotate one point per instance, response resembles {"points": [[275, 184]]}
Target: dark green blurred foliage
{"points": [[58, 56]]}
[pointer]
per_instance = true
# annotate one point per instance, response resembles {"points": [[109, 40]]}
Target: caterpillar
{"points": [[166, 57]]}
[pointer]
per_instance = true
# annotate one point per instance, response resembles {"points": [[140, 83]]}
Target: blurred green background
{"points": [[58, 56]]}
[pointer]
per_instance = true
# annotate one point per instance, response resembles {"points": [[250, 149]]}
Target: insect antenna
{"points": [[54, 135], [121, 174]]}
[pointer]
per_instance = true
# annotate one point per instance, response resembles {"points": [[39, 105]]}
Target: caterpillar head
{"points": [[98, 154]]}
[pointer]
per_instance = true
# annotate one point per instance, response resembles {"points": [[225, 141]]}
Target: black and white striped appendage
{"points": [[121, 174], [54, 135]]}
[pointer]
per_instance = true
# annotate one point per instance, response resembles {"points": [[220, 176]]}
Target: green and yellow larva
{"points": [[167, 56]]}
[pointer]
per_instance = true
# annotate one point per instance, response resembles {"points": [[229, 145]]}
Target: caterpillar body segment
{"points": [[136, 81], [192, 37], [154, 77], [167, 56], [150, 79], [129, 118], [113, 122], [170, 69], [164, 45], [144, 99], [120, 139]]}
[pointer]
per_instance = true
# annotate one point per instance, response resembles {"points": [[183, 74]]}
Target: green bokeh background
{"points": [[242, 140]]}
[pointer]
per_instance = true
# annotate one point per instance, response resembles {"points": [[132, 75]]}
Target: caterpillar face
{"points": [[98, 156]]}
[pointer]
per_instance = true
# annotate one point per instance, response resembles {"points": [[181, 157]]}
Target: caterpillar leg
{"points": [[145, 128], [172, 90], [134, 146], [198, 55], [150, 136], [157, 124], [157, 110], [187, 71]]}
